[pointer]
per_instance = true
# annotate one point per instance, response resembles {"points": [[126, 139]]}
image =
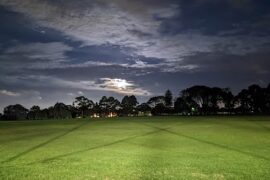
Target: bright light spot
{"points": [[121, 83], [122, 86], [80, 93]]}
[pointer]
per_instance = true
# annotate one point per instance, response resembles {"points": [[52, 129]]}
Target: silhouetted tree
{"points": [[186, 105], [215, 96], [193, 100], [181, 106], [267, 99], [252, 100], [84, 105], [199, 95], [50, 112], [73, 110], [43, 114], [144, 107], [243, 102], [61, 111], [15, 112], [208, 100], [168, 98], [33, 114], [103, 105], [107, 105], [96, 109], [129, 104], [113, 104], [159, 109], [257, 98], [153, 101], [228, 100]]}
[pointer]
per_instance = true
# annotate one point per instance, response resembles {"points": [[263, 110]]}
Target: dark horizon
{"points": [[54, 51]]}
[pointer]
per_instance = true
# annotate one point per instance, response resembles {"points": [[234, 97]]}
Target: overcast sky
{"points": [[55, 50]]}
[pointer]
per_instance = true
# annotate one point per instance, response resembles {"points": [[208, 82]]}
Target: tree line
{"points": [[196, 100]]}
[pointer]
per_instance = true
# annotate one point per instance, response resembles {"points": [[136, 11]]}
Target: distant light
{"points": [[121, 83], [80, 93]]}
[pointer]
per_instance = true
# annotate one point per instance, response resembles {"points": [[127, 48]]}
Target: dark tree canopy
{"points": [[253, 100], [36, 113], [153, 101], [84, 105], [159, 109], [108, 105], [228, 100], [144, 107], [168, 98], [196, 100], [207, 100], [61, 111], [15, 112], [129, 104]]}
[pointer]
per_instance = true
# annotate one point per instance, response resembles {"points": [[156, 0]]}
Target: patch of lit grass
{"points": [[137, 148]]}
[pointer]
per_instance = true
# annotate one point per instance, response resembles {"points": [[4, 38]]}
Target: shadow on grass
{"points": [[258, 123], [243, 126], [108, 144], [25, 137], [96, 147], [42, 144], [214, 144]]}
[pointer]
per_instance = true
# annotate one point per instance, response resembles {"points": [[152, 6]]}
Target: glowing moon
{"points": [[121, 83]]}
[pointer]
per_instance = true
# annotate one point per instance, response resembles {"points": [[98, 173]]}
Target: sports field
{"points": [[137, 148]]}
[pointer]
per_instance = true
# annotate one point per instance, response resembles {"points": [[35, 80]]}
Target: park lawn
{"points": [[137, 148]]}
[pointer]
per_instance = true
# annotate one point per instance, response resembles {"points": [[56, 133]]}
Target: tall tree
{"points": [[113, 104], [267, 99], [181, 106], [228, 99], [243, 101], [206, 98], [103, 105], [108, 104], [253, 99], [168, 98], [215, 96], [61, 111], [96, 109], [34, 113], [129, 104], [74, 111], [84, 105], [199, 95]]}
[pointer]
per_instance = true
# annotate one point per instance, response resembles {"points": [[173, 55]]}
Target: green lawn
{"points": [[137, 148]]}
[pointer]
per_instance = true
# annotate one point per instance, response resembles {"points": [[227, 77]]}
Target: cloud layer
{"points": [[57, 48]]}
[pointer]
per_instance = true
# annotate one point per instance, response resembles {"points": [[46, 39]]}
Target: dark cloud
{"points": [[214, 17]]}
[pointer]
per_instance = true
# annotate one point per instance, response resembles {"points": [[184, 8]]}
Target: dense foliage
{"points": [[196, 100]]}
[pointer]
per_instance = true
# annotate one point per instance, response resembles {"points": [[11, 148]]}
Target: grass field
{"points": [[137, 148]]}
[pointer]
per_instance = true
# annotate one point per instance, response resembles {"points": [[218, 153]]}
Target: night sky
{"points": [[54, 50]]}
